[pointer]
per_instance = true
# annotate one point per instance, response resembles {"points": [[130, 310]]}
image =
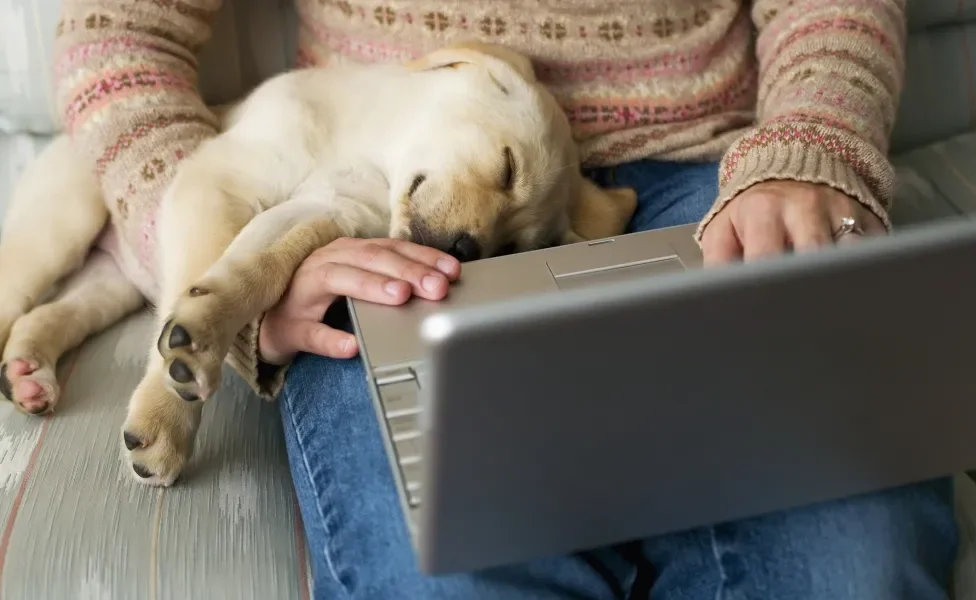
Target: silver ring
{"points": [[848, 226]]}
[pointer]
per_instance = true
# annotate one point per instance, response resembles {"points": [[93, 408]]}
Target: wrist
{"points": [[268, 351]]}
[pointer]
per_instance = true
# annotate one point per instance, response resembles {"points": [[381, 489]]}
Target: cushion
{"points": [[26, 36], [928, 14], [936, 180], [16, 151], [939, 97]]}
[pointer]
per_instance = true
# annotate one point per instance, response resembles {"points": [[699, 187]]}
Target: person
{"points": [[766, 121]]}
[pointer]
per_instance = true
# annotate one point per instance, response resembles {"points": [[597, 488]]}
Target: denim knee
{"points": [[896, 544]]}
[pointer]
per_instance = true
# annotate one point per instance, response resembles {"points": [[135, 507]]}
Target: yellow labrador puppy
{"points": [[462, 150]]}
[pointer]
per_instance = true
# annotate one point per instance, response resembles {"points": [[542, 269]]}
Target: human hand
{"points": [[776, 216], [385, 271]]}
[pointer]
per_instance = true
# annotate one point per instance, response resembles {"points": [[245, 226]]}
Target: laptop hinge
{"points": [[394, 374]]}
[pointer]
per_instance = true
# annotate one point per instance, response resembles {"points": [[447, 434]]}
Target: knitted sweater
{"points": [[777, 89]]}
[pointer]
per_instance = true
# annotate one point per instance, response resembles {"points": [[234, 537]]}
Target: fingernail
{"points": [[392, 288], [431, 283], [445, 265], [346, 344]]}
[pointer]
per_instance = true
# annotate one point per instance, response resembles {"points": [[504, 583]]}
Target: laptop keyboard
{"points": [[401, 410]]}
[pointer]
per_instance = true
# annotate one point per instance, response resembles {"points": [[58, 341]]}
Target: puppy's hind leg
{"points": [[56, 213], [90, 300]]}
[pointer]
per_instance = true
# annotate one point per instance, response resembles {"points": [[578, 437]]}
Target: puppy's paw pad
{"points": [[31, 386], [193, 361], [132, 441], [154, 461], [19, 367], [179, 337], [141, 471], [180, 372]]}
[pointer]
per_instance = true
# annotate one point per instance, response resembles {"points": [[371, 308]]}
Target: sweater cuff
{"points": [[264, 378], [808, 153]]}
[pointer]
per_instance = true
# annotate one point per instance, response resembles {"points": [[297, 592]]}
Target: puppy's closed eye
{"points": [[419, 179], [508, 175]]}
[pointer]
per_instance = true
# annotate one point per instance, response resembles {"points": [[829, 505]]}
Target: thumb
{"points": [[296, 336]]}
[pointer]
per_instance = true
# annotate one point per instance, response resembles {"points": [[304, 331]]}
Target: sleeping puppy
{"points": [[462, 150]]}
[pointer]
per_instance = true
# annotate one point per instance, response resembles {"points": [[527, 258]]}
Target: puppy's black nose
{"points": [[465, 248]]}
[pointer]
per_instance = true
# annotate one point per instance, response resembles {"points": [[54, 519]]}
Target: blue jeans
{"points": [[896, 544]]}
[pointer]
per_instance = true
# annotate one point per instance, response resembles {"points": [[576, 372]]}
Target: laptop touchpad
{"points": [[618, 273]]}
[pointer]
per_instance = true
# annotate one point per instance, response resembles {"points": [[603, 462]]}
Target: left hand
{"points": [[773, 217]]}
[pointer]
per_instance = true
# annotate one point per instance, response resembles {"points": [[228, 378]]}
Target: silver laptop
{"points": [[583, 395]]}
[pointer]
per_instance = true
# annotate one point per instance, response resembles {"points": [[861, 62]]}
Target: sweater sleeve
{"points": [[830, 77], [245, 358], [126, 88]]}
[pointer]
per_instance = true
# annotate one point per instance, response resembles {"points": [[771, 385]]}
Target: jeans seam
{"points": [[719, 592], [286, 396]]}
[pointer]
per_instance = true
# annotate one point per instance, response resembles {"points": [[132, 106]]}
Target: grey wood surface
{"points": [[76, 526]]}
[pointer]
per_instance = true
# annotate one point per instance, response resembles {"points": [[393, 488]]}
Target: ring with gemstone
{"points": [[848, 226]]}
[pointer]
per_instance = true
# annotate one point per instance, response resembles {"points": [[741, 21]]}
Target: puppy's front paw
{"points": [[193, 347], [159, 433], [30, 384]]}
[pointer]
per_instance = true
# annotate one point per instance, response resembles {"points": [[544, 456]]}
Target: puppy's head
{"points": [[491, 166]]}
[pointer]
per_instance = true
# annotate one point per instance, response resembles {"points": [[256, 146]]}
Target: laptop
{"points": [[583, 395]]}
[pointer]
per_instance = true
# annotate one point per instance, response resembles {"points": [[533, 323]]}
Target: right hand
{"points": [[385, 271]]}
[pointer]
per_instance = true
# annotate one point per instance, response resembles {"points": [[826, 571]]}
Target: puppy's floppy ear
{"points": [[599, 213], [473, 53]]}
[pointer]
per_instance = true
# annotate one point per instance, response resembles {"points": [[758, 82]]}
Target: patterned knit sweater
{"points": [[777, 89]]}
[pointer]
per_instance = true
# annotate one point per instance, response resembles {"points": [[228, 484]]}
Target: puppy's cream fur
{"points": [[462, 141]]}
